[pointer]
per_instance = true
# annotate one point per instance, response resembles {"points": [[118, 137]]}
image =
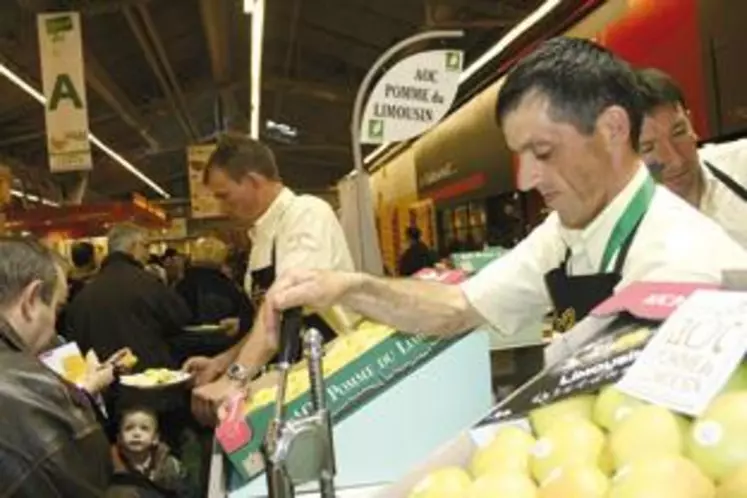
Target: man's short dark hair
{"points": [[580, 78], [237, 155], [658, 88], [23, 261], [82, 254]]}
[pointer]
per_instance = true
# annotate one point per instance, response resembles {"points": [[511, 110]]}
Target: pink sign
{"points": [[443, 276], [649, 300], [234, 432]]}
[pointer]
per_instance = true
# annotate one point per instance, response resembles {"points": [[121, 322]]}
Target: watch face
{"points": [[237, 372]]}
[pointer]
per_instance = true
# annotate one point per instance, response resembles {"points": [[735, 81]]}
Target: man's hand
{"points": [[99, 375], [317, 289], [204, 370], [207, 399]]}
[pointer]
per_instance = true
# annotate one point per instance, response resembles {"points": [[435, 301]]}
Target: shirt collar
{"points": [[272, 215], [10, 336], [710, 182], [593, 238]]}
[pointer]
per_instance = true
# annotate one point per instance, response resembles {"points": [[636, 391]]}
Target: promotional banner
{"points": [[66, 110], [204, 203], [412, 96]]}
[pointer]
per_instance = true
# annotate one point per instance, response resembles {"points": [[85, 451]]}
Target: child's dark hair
{"points": [[137, 409]]}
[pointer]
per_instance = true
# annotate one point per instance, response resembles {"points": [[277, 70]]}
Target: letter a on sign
{"points": [[66, 113]]}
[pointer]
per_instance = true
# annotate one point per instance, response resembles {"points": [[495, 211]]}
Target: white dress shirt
{"points": [[674, 243], [304, 233], [719, 202]]}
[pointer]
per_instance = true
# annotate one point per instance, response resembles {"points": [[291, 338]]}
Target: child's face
{"points": [[138, 432]]}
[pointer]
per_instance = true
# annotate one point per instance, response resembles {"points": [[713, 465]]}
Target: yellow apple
{"points": [[509, 450], [494, 484], [648, 431], [718, 440], [735, 485], [661, 476], [544, 418], [576, 481], [570, 441], [612, 406], [447, 482]]}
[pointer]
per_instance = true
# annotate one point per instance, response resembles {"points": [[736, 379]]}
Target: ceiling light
{"points": [[39, 97], [255, 72], [34, 198], [536, 16], [249, 6]]}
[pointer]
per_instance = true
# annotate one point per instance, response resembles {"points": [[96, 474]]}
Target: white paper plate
{"points": [[206, 327], [145, 381]]}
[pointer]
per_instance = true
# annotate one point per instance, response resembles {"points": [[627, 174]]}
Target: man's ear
{"points": [[28, 299], [614, 126]]}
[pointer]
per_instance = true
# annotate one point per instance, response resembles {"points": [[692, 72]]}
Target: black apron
{"points": [[574, 297], [262, 280], [730, 183]]}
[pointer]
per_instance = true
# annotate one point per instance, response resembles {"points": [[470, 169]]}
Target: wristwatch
{"points": [[239, 374]]}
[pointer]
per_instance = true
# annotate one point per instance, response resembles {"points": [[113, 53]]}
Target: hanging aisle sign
{"points": [[66, 109], [204, 203], [412, 97]]}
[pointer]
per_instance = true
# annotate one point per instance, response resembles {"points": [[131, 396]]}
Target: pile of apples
{"points": [[609, 446]]}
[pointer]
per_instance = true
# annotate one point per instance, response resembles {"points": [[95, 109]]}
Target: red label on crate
{"points": [[649, 300], [234, 432], [443, 276]]}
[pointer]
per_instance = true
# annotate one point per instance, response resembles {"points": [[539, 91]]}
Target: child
{"points": [[139, 452]]}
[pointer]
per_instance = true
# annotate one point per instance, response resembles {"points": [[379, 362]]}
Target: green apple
{"points": [[493, 484], [718, 439], [578, 406], [662, 476], [577, 481], [509, 450], [612, 406], [570, 441], [648, 431], [738, 380], [447, 482]]}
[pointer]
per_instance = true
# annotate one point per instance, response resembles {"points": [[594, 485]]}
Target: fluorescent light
{"points": [[491, 54], [255, 72], [248, 6], [509, 38], [39, 97], [34, 198]]}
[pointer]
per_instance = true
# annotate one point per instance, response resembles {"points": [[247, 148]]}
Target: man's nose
{"points": [[529, 174]]}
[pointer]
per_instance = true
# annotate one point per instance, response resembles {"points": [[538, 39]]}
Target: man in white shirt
{"points": [[714, 178], [287, 231], [571, 111]]}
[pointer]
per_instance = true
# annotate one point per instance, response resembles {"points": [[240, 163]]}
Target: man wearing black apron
{"points": [[712, 179], [286, 231], [571, 112]]}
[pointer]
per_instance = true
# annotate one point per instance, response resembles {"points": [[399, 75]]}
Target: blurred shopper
{"points": [[175, 264], [417, 255], [712, 179], [286, 231], [571, 111], [83, 256], [125, 306], [154, 266], [51, 443]]}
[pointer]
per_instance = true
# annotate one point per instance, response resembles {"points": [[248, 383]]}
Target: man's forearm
{"points": [[414, 306]]}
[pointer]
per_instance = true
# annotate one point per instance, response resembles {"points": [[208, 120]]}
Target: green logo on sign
{"points": [[64, 89], [58, 25], [376, 128], [453, 61]]}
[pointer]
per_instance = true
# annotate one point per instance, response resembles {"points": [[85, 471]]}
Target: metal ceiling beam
{"points": [[292, 47], [215, 23], [152, 31], [152, 60]]}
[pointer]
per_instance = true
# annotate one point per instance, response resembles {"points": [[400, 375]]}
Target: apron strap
{"points": [[730, 183], [623, 254]]}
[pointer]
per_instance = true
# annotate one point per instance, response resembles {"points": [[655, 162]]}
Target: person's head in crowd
{"points": [[138, 432], [210, 252], [32, 290], [243, 175], [669, 144], [129, 239], [174, 263], [413, 234], [83, 255], [572, 113]]}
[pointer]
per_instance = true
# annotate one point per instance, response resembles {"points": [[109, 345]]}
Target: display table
{"points": [[380, 442]]}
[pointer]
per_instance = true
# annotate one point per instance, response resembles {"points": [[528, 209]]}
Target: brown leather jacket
{"points": [[51, 444]]}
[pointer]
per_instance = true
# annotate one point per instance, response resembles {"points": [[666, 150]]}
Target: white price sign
{"points": [[412, 97], [693, 354]]}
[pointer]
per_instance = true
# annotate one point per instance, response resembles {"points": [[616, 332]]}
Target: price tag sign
{"points": [[693, 354]]}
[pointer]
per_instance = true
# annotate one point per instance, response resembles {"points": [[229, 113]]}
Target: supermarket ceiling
{"points": [[162, 74]]}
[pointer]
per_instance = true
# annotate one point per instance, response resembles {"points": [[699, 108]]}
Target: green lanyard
{"points": [[628, 221]]}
